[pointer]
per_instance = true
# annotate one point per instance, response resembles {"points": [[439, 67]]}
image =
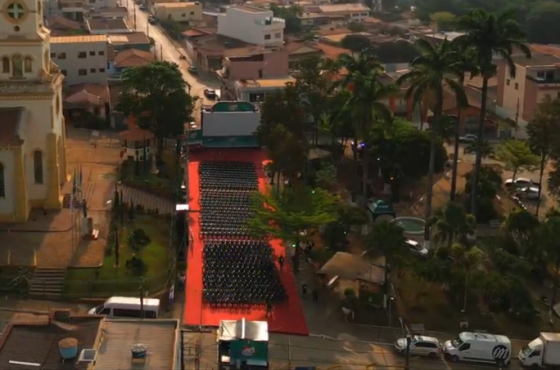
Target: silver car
{"points": [[420, 345]]}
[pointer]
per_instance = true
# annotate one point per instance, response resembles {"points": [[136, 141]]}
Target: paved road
{"points": [[167, 50]]}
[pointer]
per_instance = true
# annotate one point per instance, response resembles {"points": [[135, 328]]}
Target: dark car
{"points": [[152, 20], [210, 94], [193, 70]]}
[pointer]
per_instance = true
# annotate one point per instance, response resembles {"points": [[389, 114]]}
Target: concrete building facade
{"points": [[252, 25]]}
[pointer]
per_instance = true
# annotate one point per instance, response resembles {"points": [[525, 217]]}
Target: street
{"points": [[167, 50]]}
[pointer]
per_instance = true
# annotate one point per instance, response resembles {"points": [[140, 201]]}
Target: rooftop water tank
{"points": [[139, 351], [68, 348]]}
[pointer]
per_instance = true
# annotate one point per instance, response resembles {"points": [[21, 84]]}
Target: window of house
{"points": [[82, 72], [101, 53], [549, 76], [267, 37], [192, 13], [64, 72], [256, 98], [17, 66], [28, 65], [92, 70], [102, 70], [5, 65], [183, 15], [516, 86], [53, 55], [92, 53], [540, 74], [61, 55], [508, 81], [38, 166], [82, 55], [2, 181], [277, 35]]}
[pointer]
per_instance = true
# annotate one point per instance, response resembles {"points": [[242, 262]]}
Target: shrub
{"points": [[138, 239]]}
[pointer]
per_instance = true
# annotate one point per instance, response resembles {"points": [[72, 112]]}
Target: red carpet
{"points": [[287, 318]]}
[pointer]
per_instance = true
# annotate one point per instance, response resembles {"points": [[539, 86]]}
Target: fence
{"points": [[112, 287]]}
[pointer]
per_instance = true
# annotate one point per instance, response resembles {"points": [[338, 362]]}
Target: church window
{"points": [[28, 64], [17, 66], [5, 65], [16, 11], [38, 166], [2, 181]]}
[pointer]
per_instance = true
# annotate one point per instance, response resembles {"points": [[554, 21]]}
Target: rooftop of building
{"points": [[545, 49], [214, 44], [178, 5], [537, 60], [335, 8], [80, 39], [106, 24], [91, 94], [444, 35], [117, 9], [133, 58], [128, 38], [339, 37], [58, 21], [249, 9], [11, 118], [330, 30], [311, 15], [268, 82]]}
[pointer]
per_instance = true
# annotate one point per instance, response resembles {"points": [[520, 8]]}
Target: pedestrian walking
{"points": [[281, 262], [315, 295], [304, 289], [268, 309]]}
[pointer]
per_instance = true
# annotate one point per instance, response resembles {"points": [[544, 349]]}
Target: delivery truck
{"points": [[542, 352]]}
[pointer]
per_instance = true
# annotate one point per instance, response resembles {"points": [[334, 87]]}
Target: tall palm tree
{"points": [[452, 222], [433, 71], [365, 105], [486, 150], [488, 35]]}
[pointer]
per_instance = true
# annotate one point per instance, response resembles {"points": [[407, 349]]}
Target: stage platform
{"points": [[287, 318]]}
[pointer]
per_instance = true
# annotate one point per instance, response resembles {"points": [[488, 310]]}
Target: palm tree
{"points": [[486, 150], [452, 222], [488, 35], [365, 105], [435, 69], [386, 239]]}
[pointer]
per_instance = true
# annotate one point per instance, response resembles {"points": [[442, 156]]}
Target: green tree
{"points": [[355, 42], [487, 149], [291, 15], [516, 156], [489, 34], [544, 135], [435, 68], [549, 237], [387, 239], [285, 215], [522, 226], [159, 90], [452, 222], [543, 16], [444, 21], [356, 27], [366, 107]]}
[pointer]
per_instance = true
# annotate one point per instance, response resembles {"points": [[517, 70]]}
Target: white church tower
{"points": [[32, 128]]}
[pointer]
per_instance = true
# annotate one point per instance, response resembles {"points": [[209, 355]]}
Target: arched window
{"points": [[2, 182], [5, 65], [17, 66], [38, 166], [28, 64]]}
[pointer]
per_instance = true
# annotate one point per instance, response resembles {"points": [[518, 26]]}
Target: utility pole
{"points": [[141, 289], [407, 354]]}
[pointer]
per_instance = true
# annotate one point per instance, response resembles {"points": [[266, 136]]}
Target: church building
{"points": [[32, 128]]}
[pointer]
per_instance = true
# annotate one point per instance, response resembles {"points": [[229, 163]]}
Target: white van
{"points": [[479, 347], [127, 307]]}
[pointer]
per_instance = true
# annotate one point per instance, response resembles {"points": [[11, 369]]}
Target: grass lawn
{"points": [[110, 280], [145, 177]]}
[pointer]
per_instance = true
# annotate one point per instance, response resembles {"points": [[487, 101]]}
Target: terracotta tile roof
{"points": [[330, 51], [11, 118], [134, 132], [107, 24], [133, 58], [545, 49], [36, 342], [333, 31], [128, 38], [88, 94], [59, 21]]}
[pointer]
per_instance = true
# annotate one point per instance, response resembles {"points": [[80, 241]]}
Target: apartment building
{"points": [[179, 12], [82, 59], [77, 9], [352, 12], [252, 25], [535, 79]]}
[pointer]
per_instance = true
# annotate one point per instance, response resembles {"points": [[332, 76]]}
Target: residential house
{"points": [[299, 50], [179, 12], [85, 103], [132, 40], [255, 91], [352, 12], [92, 342], [266, 65], [119, 12], [77, 9], [252, 25], [82, 59], [311, 19], [126, 59], [61, 26], [336, 39], [518, 96], [107, 26]]}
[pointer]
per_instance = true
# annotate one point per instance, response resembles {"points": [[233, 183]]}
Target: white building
{"points": [[32, 139], [252, 25], [255, 91]]}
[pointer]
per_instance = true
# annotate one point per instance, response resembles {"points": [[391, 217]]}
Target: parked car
{"points": [[210, 93], [521, 182], [468, 138], [529, 192], [420, 345], [192, 70], [152, 19], [416, 248]]}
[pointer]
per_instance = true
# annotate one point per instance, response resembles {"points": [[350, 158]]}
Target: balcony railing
{"points": [[269, 22]]}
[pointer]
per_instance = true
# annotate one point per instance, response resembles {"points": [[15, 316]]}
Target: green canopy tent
{"points": [[381, 208]]}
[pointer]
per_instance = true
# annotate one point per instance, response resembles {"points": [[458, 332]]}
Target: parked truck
{"points": [[542, 352]]}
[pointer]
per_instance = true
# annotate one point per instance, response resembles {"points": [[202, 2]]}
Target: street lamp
{"points": [[464, 310]]}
